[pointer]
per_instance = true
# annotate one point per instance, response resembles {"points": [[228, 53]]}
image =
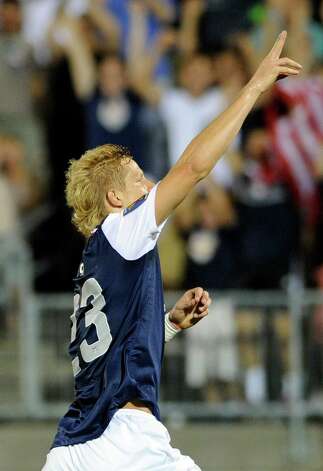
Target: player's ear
{"points": [[114, 199]]}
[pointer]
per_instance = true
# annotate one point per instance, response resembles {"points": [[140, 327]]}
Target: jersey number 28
{"points": [[95, 316]]}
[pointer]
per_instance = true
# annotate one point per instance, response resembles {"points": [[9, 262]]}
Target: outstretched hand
{"points": [[274, 67], [190, 308]]}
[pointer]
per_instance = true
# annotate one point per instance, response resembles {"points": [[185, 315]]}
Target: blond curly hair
{"points": [[88, 180]]}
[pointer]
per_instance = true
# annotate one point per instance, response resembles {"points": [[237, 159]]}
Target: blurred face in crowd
{"points": [[11, 153], [196, 75], [112, 77], [282, 6], [289, 8], [257, 144], [10, 17], [228, 66], [216, 209]]}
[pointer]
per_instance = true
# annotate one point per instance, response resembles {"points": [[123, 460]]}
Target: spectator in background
{"points": [[211, 236], [293, 110], [188, 109], [17, 116], [88, 106], [19, 193], [188, 40], [221, 19], [99, 24], [148, 24], [305, 35], [211, 355], [230, 69], [230, 72], [65, 139], [69, 36], [205, 238], [37, 17], [184, 110], [74, 41], [112, 112], [267, 217]]}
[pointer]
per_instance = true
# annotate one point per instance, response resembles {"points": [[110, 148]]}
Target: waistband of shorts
{"points": [[135, 413]]}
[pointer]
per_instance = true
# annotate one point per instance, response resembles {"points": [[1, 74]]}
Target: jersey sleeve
{"points": [[134, 232]]}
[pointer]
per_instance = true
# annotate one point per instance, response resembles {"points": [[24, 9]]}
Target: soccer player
{"points": [[119, 325]]}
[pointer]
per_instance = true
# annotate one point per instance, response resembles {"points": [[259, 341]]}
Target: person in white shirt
{"points": [[188, 108]]}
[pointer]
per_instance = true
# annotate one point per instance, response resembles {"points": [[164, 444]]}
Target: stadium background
{"points": [[244, 389]]}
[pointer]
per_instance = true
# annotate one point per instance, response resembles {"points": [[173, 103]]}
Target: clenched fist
{"points": [[190, 308]]}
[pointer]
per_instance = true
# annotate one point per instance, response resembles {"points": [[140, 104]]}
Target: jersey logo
{"points": [[135, 205], [81, 269]]}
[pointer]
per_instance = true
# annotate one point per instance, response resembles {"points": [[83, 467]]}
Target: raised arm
{"points": [[137, 58], [142, 70], [188, 33], [105, 23], [206, 149], [142, 60], [67, 35], [162, 9]]}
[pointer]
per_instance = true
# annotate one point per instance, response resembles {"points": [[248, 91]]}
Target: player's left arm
{"points": [[188, 311]]}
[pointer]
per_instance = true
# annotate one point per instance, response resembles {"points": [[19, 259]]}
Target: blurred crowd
{"points": [[150, 74]]}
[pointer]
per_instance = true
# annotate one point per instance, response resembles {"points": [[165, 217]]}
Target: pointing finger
{"points": [[279, 45]]}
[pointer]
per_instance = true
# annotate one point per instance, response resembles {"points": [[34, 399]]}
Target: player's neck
{"points": [[115, 210]]}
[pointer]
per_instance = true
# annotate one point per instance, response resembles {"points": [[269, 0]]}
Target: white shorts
{"points": [[133, 441]]}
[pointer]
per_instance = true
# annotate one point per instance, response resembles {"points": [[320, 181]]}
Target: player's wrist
{"points": [[171, 317], [171, 329], [253, 89]]}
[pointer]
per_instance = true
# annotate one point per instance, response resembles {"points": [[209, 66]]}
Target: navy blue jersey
{"points": [[117, 337]]}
